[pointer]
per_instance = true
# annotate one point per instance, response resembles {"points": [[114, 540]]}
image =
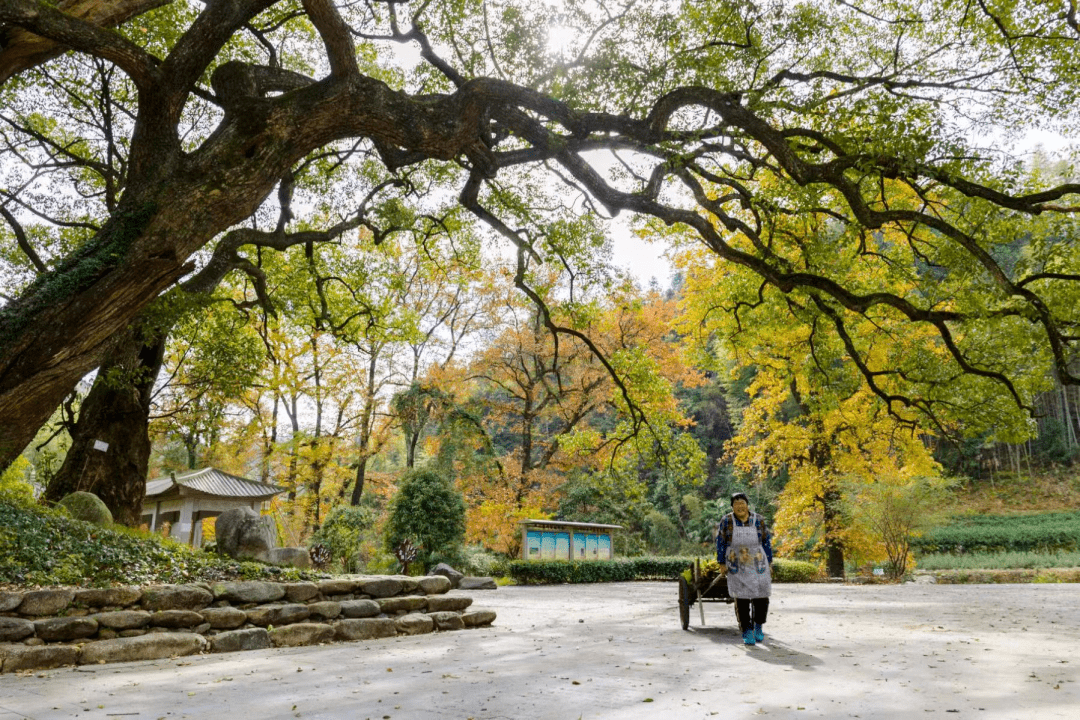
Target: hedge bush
{"points": [[794, 571], [638, 568], [1045, 532]]}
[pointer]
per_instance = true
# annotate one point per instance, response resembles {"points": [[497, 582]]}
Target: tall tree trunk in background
{"points": [[834, 546], [116, 412], [367, 419]]}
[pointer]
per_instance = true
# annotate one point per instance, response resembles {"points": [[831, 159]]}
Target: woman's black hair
{"points": [[739, 496]]}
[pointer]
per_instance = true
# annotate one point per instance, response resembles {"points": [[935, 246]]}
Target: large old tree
{"points": [[852, 153]]}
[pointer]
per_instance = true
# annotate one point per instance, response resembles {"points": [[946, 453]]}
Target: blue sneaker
{"points": [[748, 637], [759, 634]]}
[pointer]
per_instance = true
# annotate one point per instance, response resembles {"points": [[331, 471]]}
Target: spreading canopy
{"points": [[846, 150]]}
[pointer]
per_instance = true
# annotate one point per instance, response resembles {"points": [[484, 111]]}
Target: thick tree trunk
{"points": [[361, 477], [57, 330], [834, 545], [110, 447]]}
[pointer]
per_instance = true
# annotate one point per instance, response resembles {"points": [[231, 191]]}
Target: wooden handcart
{"points": [[701, 589]]}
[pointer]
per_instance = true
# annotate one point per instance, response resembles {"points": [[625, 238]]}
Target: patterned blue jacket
{"points": [[724, 532]]}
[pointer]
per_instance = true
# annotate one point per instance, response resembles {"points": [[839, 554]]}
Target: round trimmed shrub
{"points": [[88, 507]]}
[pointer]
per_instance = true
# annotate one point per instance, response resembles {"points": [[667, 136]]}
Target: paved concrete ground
{"points": [[617, 651]]}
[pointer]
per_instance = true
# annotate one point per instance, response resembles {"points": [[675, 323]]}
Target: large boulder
{"points": [[46, 602], [108, 597], [15, 629], [156, 646], [235, 640], [21, 657], [86, 506], [447, 572], [176, 597], [296, 557], [248, 591], [243, 533], [301, 634], [61, 629]]}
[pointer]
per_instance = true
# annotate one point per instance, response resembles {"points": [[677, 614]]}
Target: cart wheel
{"points": [[684, 603]]}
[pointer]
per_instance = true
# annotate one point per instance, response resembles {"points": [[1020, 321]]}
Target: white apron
{"points": [[748, 574]]}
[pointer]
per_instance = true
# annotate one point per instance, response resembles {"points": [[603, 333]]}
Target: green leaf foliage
{"points": [[428, 511], [46, 547], [342, 532]]}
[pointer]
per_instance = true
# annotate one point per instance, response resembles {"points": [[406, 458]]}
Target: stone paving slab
{"points": [[991, 652]]}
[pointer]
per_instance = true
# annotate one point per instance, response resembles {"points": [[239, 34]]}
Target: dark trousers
{"points": [[751, 611]]}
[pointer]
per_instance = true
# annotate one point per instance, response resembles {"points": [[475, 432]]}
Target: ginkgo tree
{"points": [[720, 118], [810, 418]]}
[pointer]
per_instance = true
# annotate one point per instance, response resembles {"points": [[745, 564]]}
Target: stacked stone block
{"points": [[67, 626]]}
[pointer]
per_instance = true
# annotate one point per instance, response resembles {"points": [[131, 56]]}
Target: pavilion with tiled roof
{"points": [[184, 500]]}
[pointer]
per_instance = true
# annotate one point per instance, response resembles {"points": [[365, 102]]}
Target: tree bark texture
{"points": [[115, 412]]}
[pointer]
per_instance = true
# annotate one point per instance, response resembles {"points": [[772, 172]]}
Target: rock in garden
{"points": [[325, 610], [447, 620], [434, 584], [225, 618], [176, 619], [301, 592], [237, 640], [478, 617], [248, 592], [153, 646], [296, 557], [9, 601], [414, 624], [122, 619], [108, 597], [301, 634], [21, 657], [65, 628], [447, 572], [381, 587], [176, 597], [243, 533], [407, 603], [409, 584], [477, 583], [359, 608], [278, 614], [87, 507], [448, 602], [15, 629], [46, 602], [365, 629], [337, 587]]}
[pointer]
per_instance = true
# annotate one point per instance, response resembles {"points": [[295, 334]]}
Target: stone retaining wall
{"points": [[69, 626]]}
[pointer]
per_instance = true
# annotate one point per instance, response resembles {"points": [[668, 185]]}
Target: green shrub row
{"points": [[636, 568], [999, 561], [1045, 532], [618, 570]]}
